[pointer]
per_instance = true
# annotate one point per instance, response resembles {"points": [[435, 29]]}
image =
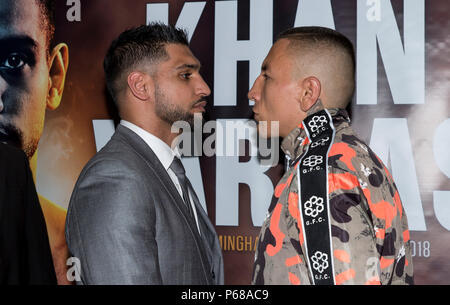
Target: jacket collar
{"points": [[295, 143]]}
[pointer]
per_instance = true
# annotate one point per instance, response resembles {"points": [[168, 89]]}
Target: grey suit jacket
{"points": [[127, 223]]}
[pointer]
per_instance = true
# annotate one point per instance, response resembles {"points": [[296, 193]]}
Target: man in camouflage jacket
{"points": [[338, 218]]}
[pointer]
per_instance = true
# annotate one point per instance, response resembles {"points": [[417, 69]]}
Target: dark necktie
{"points": [[178, 168]]}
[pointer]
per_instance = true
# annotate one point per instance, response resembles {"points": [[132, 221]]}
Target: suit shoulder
{"points": [[115, 156], [108, 178]]}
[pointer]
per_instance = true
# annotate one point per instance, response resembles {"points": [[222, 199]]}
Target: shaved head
{"points": [[326, 55]]}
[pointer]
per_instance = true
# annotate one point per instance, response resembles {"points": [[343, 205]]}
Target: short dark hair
{"points": [[146, 42], [314, 39], [314, 35], [47, 10]]}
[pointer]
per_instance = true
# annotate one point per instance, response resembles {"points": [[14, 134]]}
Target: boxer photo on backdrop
{"points": [[32, 76], [338, 218], [133, 216]]}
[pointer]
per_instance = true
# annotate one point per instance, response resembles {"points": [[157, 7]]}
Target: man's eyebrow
{"points": [[189, 66], [18, 41], [264, 67]]}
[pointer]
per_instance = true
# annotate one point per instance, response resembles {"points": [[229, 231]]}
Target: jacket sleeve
{"points": [[391, 231], [110, 226]]}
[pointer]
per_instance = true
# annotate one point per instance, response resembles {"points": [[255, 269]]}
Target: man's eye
{"points": [[266, 76], [14, 61], [186, 75]]}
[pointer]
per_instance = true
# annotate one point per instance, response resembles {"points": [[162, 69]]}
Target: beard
{"points": [[12, 135], [170, 112]]}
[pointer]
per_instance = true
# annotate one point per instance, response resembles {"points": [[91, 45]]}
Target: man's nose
{"points": [[254, 93], [203, 88]]}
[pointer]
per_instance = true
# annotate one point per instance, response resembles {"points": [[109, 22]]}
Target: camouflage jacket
{"points": [[338, 218]]}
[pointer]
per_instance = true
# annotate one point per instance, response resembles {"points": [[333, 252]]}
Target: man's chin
{"points": [[197, 112], [196, 118]]}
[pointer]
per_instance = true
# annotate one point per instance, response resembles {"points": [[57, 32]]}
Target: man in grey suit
{"points": [[134, 217]]}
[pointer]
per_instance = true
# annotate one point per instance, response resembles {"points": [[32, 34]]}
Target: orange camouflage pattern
{"points": [[369, 227]]}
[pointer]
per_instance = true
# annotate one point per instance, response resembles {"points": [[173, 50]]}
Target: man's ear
{"points": [[310, 92], [140, 85], [59, 61]]}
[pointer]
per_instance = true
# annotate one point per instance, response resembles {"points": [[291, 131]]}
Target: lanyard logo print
{"points": [[320, 142], [313, 160], [317, 122], [314, 206], [320, 261]]}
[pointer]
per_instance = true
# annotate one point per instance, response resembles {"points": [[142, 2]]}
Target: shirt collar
{"points": [[163, 151]]}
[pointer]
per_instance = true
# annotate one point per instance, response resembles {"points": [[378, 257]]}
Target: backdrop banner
{"points": [[401, 107]]}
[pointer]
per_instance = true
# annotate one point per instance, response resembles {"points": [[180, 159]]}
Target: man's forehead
{"points": [[278, 56], [21, 18], [181, 55]]}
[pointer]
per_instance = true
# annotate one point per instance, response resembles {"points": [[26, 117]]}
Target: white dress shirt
{"points": [[165, 155]]}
